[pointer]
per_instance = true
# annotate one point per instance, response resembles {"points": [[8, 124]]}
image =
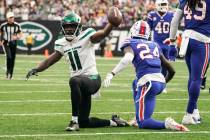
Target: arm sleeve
{"points": [[19, 28], [175, 23], [128, 58]]}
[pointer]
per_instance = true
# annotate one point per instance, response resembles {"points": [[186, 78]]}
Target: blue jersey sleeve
{"points": [[159, 49], [182, 4]]}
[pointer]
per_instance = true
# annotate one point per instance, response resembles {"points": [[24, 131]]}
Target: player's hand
{"points": [[108, 79], [31, 72], [167, 41], [14, 37]]}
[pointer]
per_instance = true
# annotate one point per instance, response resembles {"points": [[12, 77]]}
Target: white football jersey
{"points": [[79, 53]]}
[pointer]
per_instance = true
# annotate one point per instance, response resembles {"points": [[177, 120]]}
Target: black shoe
{"points": [[73, 126], [119, 121], [203, 83]]}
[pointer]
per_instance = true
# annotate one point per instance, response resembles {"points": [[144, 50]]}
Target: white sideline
{"points": [[99, 134], [95, 100], [102, 113]]}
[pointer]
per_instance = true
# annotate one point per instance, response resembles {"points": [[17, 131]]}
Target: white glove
{"points": [[108, 79]]}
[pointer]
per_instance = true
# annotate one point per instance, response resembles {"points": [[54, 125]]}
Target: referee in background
{"points": [[10, 32]]}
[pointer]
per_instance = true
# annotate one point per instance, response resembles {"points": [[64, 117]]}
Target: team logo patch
{"points": [[41, 35]]}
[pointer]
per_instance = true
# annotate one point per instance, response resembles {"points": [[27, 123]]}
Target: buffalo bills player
{"points": [[146, 57], [195, 48], [159, 22]]}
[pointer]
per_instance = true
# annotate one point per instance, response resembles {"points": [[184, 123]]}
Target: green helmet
{"points": [[71, 25]]}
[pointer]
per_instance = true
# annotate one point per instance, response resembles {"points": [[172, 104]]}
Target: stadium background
{"points": [[42, 18]]}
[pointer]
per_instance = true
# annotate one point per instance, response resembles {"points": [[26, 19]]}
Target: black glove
{"points": [[31, 72]]}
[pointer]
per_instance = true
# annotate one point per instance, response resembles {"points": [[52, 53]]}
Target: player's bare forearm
{"points": [[52, 59], [101, 34], [169, 67]]}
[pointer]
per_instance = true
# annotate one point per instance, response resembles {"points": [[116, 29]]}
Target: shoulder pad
{"points": [[86, 33]]}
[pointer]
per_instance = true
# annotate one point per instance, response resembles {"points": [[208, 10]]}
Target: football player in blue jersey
{"points": [[195, 48], [159, 22], [146, 57]]}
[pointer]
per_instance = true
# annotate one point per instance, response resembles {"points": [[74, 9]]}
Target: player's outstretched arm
{"points": [[52, 59], [175, 24], [127, 58], [169, 67], [101, 34]]}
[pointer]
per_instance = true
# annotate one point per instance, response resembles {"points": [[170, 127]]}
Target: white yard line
{"points": [[100, 134], [102, 90], [95, 100], [114, 84], [102, 113]]}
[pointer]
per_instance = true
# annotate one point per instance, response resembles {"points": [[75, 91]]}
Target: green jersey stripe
{"points": [[89, 32], [76, 56], [72, 61]]}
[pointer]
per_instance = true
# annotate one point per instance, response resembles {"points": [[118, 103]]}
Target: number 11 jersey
{"points": [[79, 53]]}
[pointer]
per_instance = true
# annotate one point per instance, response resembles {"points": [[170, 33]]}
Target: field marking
{"points": [[102, 113], [95, 100], [114, 84], [100, 134], [101, 90]]}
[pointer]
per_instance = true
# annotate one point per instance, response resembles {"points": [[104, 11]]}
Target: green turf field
{"points": [[40, 109]]}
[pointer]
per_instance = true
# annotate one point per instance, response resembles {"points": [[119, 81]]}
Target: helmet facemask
{"points": [[71, 26], [162, 6]]}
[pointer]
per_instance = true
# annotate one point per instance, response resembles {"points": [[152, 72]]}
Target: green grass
{"points": [[40, 109]]}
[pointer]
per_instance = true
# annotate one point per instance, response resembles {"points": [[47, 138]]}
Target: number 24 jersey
{"points": [[146, 56]]}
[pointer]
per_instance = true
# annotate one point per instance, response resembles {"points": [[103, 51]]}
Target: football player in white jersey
{"points": [[76, 46]]}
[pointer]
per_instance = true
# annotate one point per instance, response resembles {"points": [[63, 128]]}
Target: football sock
{"points": [[74, 119], [112, 123], [194, 91], [152, 124]]}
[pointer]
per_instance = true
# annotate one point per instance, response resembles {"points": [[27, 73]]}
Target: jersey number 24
{"points": [[147, 52]]}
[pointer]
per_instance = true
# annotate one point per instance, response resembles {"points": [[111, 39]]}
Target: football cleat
{"points": [[164, 90], [196, 116], [172, 125], [188, 119], [119, 121], [73, 126], [133, 122]]}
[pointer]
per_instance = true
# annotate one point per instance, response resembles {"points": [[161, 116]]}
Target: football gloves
{"points": [[30, 73], [108, 79], [173, 53]]}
